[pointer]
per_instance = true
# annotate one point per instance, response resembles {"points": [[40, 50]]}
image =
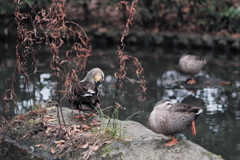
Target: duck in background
{"points": [[191, 65], [85, 95], [172, 118]]}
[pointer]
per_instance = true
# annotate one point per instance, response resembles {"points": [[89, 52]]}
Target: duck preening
{"points": [[84, 94], [172, 118], [191, 65]]}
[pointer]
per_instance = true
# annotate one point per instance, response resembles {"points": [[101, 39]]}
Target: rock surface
{"points": [[139, 143], [154, 150], [146, 144]]}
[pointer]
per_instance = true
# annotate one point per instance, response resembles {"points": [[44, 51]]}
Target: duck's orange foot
{"points": [[194, 132], [90, 115], [80, 116], [171, 143], [191, 81]]}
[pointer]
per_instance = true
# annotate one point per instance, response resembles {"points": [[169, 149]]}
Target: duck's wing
{"points": [[186, 109], [86, 89], [87, 94], [200, 62], [180, 117]]}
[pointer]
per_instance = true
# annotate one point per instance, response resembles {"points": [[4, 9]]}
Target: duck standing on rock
{"points": [[171, 118], [191, 65], [84, 95]]}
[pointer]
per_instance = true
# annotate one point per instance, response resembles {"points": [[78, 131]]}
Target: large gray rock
{"points": [[145, 144], [154, 149], [138, 142]]}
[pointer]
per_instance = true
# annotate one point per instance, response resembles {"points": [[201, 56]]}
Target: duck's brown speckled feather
{"points": [[184, 108]]}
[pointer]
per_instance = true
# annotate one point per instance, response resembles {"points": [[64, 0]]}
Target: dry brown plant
{"points": [[121, 74], [48, 27]]}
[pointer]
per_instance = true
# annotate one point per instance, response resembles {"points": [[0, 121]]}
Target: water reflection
{"points": [[215, 99], [47, 90], [217, 128], [44, 90], [23, 106]]}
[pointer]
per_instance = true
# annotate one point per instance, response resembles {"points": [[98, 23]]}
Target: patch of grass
{"points": [[112, 131], [107, 149], [110, 128]]}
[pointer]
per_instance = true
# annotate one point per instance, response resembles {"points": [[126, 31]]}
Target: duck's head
{"points": [[95, 76], [163, 104]]}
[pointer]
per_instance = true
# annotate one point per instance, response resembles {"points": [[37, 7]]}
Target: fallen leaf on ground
{"points": [[51, 120], [53, 150], [48, 117], [94, 148], [39, 145], [85, 145], [78, 126], [49, 129], [74, 128], [96, 123], [59, 142], [35, 111], [79, 131], [69, 130], [86, 127], [61, 146], [21, 117], [107, 142]]}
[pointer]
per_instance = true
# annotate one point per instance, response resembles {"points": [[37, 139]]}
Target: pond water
{"points": [[217, 90]]}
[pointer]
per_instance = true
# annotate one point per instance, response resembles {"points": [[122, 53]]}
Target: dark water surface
{"points": [[217, 90]]}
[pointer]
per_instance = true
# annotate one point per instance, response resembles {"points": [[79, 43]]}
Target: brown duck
{"points": [[85, 94], [191, 65], [171, 118]]}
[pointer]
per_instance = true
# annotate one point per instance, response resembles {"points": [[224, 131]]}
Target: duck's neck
{"points": [[88, 79]]}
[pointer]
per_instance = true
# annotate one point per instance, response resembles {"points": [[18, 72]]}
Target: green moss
{"points": [[127, 143], [117, 156], [108, 152], [117, 148], [107, 149], [32, 122], [211, 155], [219, 156]]}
